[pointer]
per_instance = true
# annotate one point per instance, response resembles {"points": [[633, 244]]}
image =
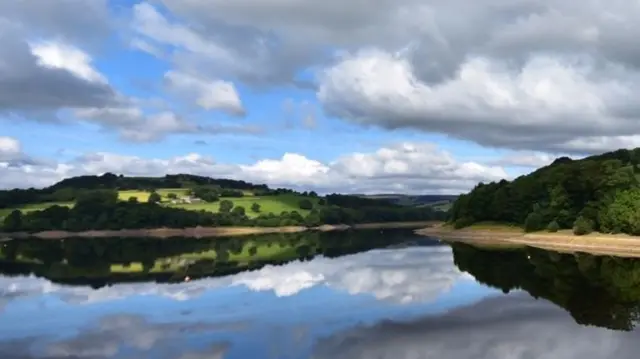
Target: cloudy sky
{"points": [[362, 96]]}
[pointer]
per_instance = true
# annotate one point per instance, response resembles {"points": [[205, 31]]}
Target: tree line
{"points": [[597, 193], [101, 210]]}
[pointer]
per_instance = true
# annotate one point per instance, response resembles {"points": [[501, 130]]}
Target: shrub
{"points": [[154, 197], [582, 226], [305, 204], [255, 207], [553, 226], [533, 222]]}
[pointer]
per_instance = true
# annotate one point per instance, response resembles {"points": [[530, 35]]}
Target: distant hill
{"points": [[600, 193]]}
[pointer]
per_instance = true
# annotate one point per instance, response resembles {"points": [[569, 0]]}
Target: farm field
{"points": [[268, 204]]}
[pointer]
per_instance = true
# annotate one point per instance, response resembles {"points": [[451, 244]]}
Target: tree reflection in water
{"points": [[103, 261], [602, 291]]}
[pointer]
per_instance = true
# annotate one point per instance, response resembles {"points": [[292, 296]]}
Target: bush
{"points": [[553, 226], [225, 206], [154, 197], [533, 222], [255, 207], [582, 226], [239, 211]]}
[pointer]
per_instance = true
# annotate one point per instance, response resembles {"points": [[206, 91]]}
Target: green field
{"points": [[268, 204]]}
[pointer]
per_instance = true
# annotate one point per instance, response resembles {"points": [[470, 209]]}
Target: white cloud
{"points": [[64, 56], [400, 168], [10, 148], [210, 95], [533, 75], [486, 101]]}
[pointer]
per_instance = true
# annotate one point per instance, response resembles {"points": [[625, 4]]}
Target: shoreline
{"points": [[620, 245], [202, 232]]}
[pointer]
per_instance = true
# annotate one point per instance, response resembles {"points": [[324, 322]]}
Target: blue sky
{"points": [[403, 96]]}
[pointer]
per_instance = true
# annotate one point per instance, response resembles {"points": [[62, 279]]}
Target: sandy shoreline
{"points": [[200, 232], [564, 241]]}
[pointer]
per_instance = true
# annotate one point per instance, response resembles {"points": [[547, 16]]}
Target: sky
{"points": [[367, 96]]}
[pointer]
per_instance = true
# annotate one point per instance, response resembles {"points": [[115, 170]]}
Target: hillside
{"points": [[597, 193], [116, 202]]}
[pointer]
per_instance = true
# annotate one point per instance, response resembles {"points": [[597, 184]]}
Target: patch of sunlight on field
{"points": [[268, 204], [143, 196]]}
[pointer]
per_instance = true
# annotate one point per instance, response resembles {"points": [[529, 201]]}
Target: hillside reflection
{"points": [[103, 261], [601, 291]]}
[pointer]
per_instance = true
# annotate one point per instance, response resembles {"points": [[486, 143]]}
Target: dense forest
{"points": [[596, 290], [597, 193], [97, 206]]}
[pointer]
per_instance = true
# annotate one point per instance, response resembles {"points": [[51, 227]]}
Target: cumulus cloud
{"points": [[515, 326], [10, 148], [210, 95], [399, 168], [43, 78], [486, 101], [534, 75]]}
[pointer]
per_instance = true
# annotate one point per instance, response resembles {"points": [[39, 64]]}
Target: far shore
{"points": [[201, 232], [620, 245]]}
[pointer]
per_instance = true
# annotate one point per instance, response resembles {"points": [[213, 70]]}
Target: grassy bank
{"points": [[198, 232], [499, 235]]}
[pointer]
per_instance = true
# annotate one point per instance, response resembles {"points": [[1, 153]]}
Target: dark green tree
{"points": [[305, 204]]}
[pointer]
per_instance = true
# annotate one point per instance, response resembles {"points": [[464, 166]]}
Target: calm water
{"points": [[353, 295]]}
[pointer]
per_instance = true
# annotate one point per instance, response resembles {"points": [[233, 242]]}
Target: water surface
{"points": [[352, 295]]}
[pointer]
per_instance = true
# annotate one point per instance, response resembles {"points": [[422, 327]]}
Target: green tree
{"points": [[154, 197], [238, 211], [132, 199], [553, 226], [582, 226], [172, 195], [533, 222], [255, 207], [226, 206]]}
